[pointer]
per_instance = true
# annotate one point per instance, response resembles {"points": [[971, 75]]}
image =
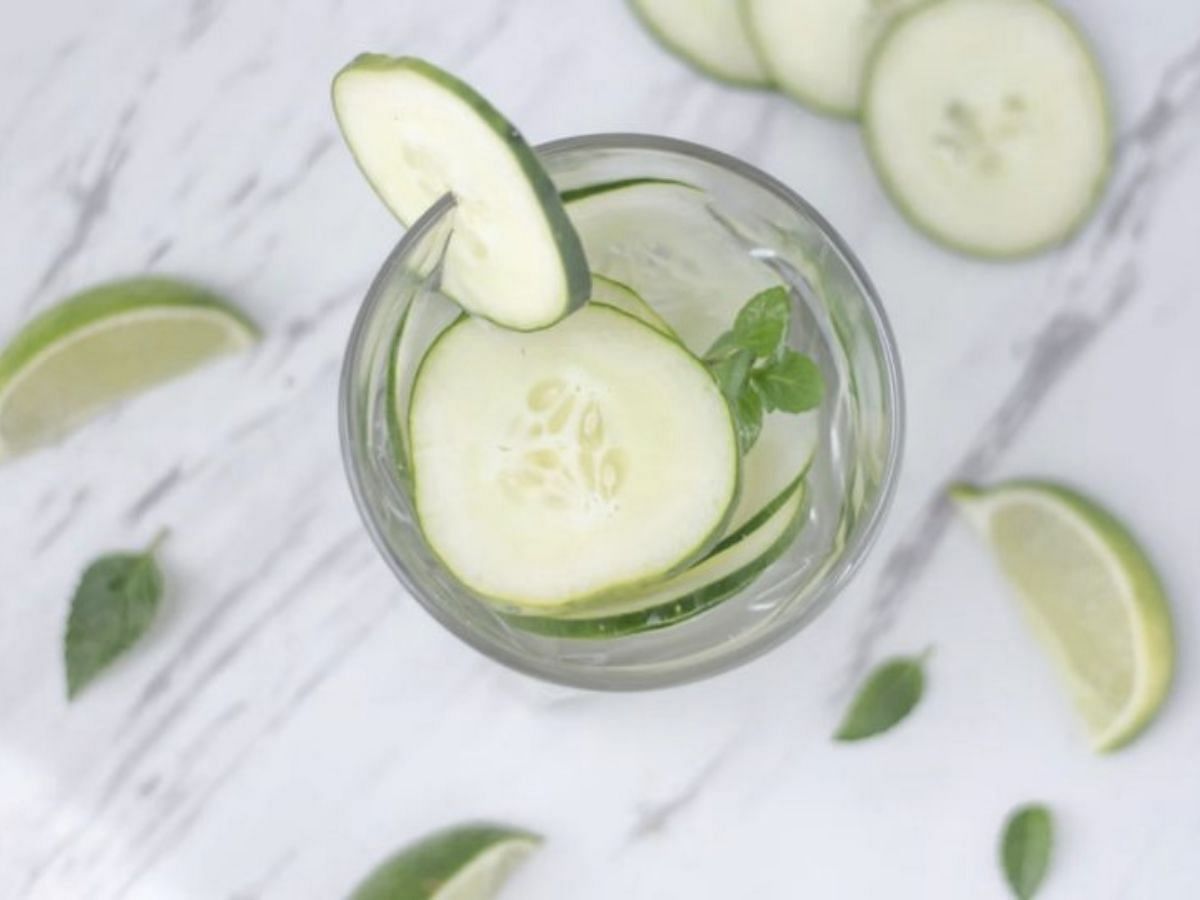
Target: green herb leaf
{"points": [[792, 383], [113, 606], [761, 326], [755, 369], [724, 347], [731, 373], [748, 414], [1025, 849], [888, 696]]}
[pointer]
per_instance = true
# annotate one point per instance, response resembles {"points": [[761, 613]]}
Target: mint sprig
{"points": [[757, 371]]}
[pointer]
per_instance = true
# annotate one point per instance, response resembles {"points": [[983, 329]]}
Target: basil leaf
{"points": [[115, 603], [748, 413], [761, 326], [1025, 849], [731, 374], [889, 694], [792, 383]]}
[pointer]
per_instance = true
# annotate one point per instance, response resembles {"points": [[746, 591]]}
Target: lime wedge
{"points": [[469, 862], [103, 344], [1092, 596]]}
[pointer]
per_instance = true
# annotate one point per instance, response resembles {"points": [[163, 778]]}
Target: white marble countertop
{"points": [[294, 717]]}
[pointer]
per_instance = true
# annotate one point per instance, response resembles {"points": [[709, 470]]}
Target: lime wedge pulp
{"points": [[1092, 596], [103, 344], [468, 862]]}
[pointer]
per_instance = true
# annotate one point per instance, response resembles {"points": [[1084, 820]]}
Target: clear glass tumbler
{"points": [[839, 321]]}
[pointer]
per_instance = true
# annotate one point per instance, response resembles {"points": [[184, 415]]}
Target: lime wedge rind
{"points": [[465, 862], [114, 310], [1127, 568]]}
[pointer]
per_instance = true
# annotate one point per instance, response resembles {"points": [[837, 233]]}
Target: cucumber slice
{"points": [[661, 239], [770, 471], [553, 467], [418, 133], [700, 588], [988, 122], [426, 317], [572, 194], [707, 34], [619, 296], [816, 50]]}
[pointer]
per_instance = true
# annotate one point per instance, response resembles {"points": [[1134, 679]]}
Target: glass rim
{"points": [[646, 677]]}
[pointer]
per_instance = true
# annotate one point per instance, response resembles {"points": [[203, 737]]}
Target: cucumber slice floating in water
{"points": [[661, 239], [988, 123], [614, 294], [556, 466], [716, 578], [816, 50], [708, 34], [426, 317], [777, 461], [419, 133]]}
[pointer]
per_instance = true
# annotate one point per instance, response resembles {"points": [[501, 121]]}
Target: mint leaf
{"points": [[890, 693], [792, 383], [1025, 849], [755, 369], [748, 416], [115, 603], [731, 373], [761, 326], [724, 347]]}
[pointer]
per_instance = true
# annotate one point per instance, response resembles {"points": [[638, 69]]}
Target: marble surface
{"points": [[294, 717]]}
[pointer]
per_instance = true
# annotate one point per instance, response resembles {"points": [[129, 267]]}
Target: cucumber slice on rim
{"points": [[987, 121], [418, 133], [662, 240], [619, 296], [707, 34], [816, 50], [711, 581], [555, 466]]}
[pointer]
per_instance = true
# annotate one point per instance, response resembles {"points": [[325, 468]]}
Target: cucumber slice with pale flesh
{"points": [[988, 122], [557, 466], [620, 296], [419, 133], [708, 34], [570, 195], [778, 460], [711, 581], [816, 50], [662, 241], [426, 317]]}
